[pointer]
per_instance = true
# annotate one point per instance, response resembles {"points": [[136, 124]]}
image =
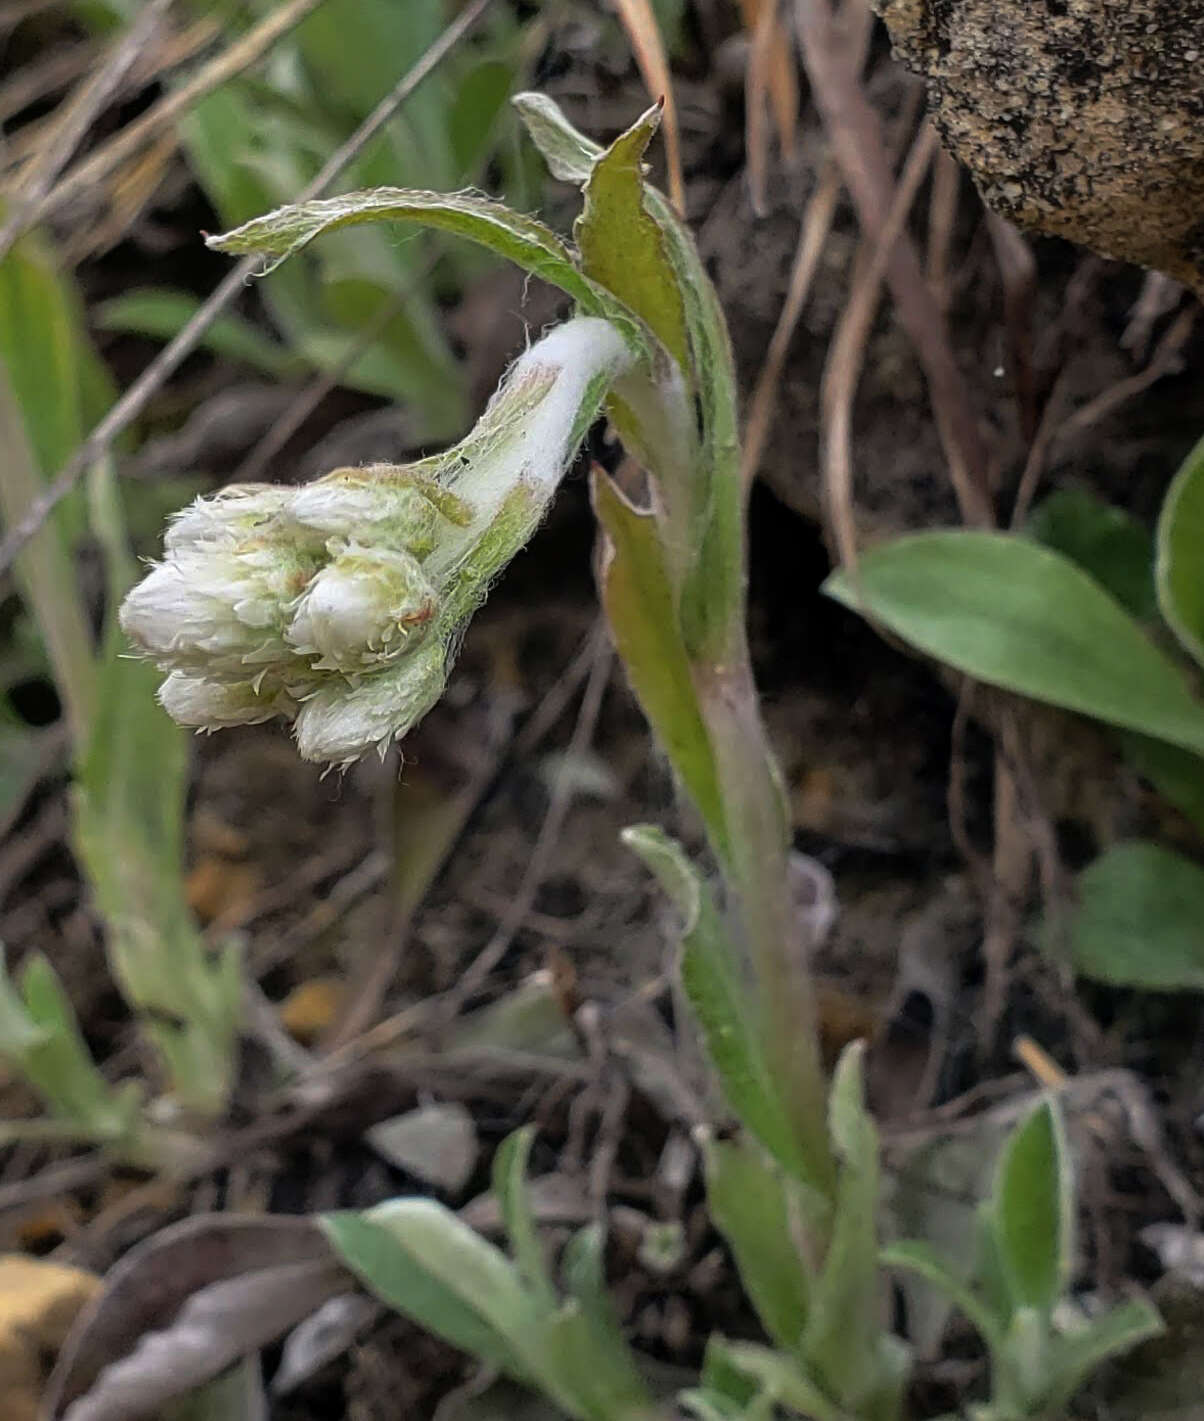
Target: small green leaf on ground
{"points": [[1139, 920], [1104, 541], [1016, 615], [1180, 566]]}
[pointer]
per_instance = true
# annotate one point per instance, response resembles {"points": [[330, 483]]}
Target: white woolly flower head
{"points": [[365, 607], [338, 605]]}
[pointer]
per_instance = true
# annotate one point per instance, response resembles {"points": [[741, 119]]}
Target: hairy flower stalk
{"points": [[339, 605]]}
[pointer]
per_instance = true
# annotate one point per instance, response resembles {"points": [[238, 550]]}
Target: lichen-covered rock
{"points": [[1079, 118]]}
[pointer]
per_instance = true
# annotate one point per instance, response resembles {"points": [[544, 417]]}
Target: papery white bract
{"points": [[367, 606], [209, 705], [340, 722], [338, 605]]}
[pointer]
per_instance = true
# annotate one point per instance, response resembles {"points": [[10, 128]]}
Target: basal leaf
{"points": [[1075, 1356], [921, 1259], [1139, 919], [510, 1187], [420, 1259], [1032, 1210], [1103, 540], [605, 1372], [1017, 615], [775, 1375], [519, 238], [1180, 565], [843, 1328], [1177, 774]]}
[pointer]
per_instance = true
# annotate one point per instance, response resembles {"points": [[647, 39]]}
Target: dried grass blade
{"points": [[642, 30], [140, 393]]}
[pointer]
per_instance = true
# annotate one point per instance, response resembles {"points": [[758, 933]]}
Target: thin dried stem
{"points": [[855, 132], [150, 126], [817, 224], [847, 351], [143, 390], [80, 111]]}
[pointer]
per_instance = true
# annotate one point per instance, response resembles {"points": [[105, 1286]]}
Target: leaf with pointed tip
{"points": [[513, 1196], [914, 1256], [776, 1375], [842, 1338], [638, 599], [570, 156], [1031, 1209], [59, 1065], [710, 974], [423, 1262], [1017, 615], [1179, 570], [622, 246], [521, 239]]}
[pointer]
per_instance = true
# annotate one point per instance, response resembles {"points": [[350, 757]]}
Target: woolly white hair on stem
{"points": [[340, 605]]}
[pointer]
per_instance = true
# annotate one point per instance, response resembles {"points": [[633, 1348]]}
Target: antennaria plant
{"points": [[339, 606]]}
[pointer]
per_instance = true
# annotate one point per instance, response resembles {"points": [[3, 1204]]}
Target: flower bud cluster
{"points": [[337, 604]]}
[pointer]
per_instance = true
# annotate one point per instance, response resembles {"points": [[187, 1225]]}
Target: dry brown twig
{"points": [[814, 230], [813, 235], [842, 370], [770, 85], [495, 949], [140, 393], [855, 133]]}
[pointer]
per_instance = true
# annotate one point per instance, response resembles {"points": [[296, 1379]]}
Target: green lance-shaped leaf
{"points": [[915, 1256], [129, 817], [1019, 616], [1179, 569], [638, 599], [751, 1203], [514, 1200], [600, 1365], [844, 1340], [1138, 920], [419, 1258], [1032, 1210], [775, 1377], [40, 1037], [1105, 541], [710, 973], [522, 239]]}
